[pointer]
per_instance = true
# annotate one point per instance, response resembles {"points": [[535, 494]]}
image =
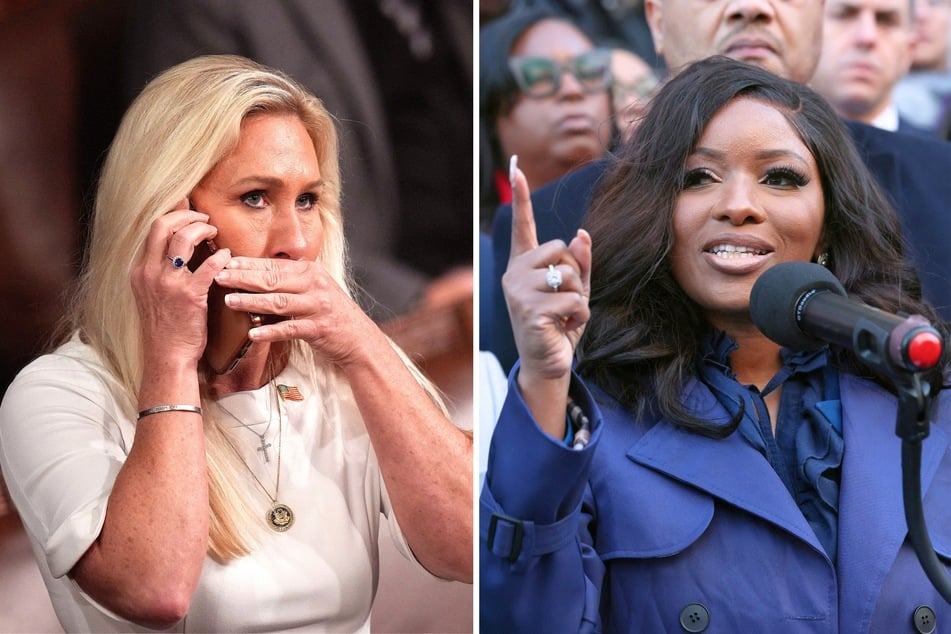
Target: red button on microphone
{"points": [[924, 350]]}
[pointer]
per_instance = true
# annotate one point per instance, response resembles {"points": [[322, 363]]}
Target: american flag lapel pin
{"points": [[289, 392]]}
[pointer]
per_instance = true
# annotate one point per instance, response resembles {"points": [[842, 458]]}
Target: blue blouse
{"points": [[807, 449]]}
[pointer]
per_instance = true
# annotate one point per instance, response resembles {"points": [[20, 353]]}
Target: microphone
{"points": [[801, 305]]}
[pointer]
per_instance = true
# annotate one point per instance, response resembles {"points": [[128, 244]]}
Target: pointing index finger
{"points": [[524, 234]]}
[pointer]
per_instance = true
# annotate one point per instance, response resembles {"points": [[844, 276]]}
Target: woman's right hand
{"points": [[547, 322], [145, 566], [173, 301]]}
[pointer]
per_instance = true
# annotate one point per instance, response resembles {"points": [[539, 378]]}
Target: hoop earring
{"points": [[823, 259]]}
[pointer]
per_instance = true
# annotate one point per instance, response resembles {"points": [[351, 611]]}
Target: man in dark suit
{"points": [[785, 38], [867, 47]]}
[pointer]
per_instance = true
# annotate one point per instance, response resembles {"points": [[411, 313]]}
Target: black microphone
{"points": [[800, 305]]}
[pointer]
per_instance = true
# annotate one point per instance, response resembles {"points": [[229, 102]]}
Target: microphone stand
{"points": [[914, 406]]}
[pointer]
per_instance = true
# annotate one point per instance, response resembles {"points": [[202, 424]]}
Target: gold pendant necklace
{"points": [[280, 516]]}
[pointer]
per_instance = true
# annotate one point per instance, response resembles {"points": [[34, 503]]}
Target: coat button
{"points": [[925, 621], [694, 618]]}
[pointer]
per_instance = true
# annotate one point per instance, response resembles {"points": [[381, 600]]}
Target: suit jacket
{"points": [[651, 526], [914, 172], [906, 127]]}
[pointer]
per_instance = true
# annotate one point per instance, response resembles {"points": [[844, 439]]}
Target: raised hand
{"points": [[546, 288], [172, 300]]}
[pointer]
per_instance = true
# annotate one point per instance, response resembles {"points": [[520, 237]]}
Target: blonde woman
{"points": [[159, 489]]}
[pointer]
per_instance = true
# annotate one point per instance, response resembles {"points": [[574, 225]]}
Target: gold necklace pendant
{"points": [[280, 517]]}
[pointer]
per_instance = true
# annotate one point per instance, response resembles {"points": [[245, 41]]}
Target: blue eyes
{"points": [[308, 201], [253, 199], [256, 200]]}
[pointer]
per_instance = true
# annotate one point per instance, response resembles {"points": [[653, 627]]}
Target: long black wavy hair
{"points": [[642, 342]]}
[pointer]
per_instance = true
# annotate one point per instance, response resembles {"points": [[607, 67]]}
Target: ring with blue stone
{"points": [[177, 261]]}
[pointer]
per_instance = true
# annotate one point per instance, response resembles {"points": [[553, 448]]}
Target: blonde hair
{"points": [[183, 123]]}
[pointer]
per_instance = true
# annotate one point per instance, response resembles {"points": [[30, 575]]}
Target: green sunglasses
{"points": [[540, 77]]}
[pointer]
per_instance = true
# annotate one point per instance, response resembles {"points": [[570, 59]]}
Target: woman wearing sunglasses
{"points": [[544, 95]]}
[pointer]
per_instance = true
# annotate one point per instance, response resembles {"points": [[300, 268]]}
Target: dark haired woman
{"points": [[544, 95], [728, 484]]}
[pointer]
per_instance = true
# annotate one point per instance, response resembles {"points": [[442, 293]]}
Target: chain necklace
{"points": [[279, 517], [265, 445]]}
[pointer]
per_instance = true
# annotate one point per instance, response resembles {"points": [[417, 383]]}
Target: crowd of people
{"points": [[788, 41]]}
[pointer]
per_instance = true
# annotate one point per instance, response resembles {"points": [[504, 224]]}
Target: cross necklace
{"points": [[279, 517], [262, 437]]}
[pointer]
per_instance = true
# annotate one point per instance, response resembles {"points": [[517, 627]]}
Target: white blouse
{"points": [[63, 439]]}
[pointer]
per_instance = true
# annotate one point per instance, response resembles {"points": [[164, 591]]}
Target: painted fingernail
{"points": [[513, 165], [230, 299]]}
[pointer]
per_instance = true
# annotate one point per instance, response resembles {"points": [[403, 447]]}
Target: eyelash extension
{"points": [[791, 173], [692, 176], [799, 179]]}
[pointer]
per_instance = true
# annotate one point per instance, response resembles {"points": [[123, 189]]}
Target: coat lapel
{"points": [[881, 160], [871, 509], [728, 469]]}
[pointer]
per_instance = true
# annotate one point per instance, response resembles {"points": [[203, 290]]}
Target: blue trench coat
{"points": [[655, 529]]}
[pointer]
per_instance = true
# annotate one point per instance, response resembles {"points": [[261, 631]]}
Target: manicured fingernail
{"points": [[513, 165], [230, 299]]}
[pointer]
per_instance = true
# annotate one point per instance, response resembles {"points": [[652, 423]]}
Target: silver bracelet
{"points": [[158, 409]]}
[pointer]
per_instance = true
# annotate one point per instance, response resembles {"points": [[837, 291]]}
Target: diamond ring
{"points": [[553, 277]]}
